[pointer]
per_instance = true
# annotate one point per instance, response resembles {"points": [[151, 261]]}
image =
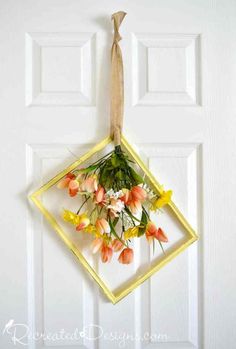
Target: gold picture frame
{"points": [[191, 235]]}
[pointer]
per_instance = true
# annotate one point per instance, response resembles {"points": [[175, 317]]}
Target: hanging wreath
{"points": [[119, 196], [120, 201]]}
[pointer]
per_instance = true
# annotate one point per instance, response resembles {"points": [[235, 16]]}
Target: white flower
{"points": [[116, 205], [119, 194], [150, 193], [111, 194]]}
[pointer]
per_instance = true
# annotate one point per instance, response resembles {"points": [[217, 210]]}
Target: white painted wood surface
{"points": [[179, 61]]}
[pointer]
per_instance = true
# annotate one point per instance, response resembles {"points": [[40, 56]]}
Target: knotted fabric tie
{"points": [[117, 81]]}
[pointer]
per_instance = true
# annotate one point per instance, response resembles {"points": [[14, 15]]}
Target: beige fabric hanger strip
{"points": [[117, 81]]}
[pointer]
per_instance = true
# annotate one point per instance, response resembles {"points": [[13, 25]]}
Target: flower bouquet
{"points": [[115, 207]]}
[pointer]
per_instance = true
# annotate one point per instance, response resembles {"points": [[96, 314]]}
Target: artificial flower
{"points": [[136, 197], [90, 184], [131, 232], [64, 182], [96, 245], [83, 222], [111, 194], [126, 256], [152, 232], [161, 236], [102, 226], [91, 229], [106, 253], [117, 245], [117, 197], [115, 206], [80, 176], [163, 200], [135, 206], [125, 195], [100, 195], [138, 193], [73, 187], [70, 217]]}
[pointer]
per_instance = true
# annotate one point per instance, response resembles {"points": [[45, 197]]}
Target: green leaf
{"points": [[115, 160], [88, 169], [115, 221], [137, 178], [115, 233], [144, 220], [104, 175], [131, 216], [161, 246], [119, 175]]}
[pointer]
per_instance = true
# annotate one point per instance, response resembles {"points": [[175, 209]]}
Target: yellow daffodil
{"points": [[91, 229], [163, 200], [84, 221], [81, 221], [70, 217], [131, 232]]}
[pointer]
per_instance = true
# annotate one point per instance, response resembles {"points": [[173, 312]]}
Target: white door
{"points": [[180, 85]]}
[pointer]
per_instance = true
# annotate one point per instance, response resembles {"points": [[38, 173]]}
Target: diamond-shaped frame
{"points": [[114, 297]]}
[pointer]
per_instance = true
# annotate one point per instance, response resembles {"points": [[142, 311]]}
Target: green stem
{"points": [[161, 246], [101, 210], [83, 204], [123, 225], [147, 214], [115, 234], [102, 158], [92, 212], [131, 216]]}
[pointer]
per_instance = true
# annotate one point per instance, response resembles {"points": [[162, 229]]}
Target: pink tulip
{"points": [[125, 198], [152, 232], [90, 184], [126, 256], [117, 245], [100, 195], [106, 253], [80, 176], [102, 226], [73, 187], [135, 206], [96, 245], [138, 193], [64, 182], [161, 236], [136, 196]]}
